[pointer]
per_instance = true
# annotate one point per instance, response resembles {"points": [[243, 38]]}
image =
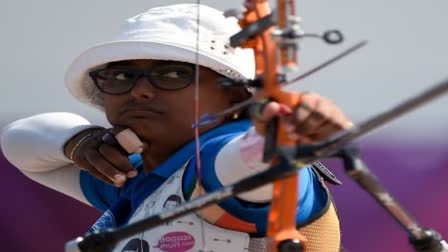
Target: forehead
{"points": [[148, 63]]}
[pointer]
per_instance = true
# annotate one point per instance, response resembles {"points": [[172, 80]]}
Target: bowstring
{"points": [[197, 118]]}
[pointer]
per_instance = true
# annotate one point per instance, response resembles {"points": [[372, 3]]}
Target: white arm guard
{"points": [[241, 158]]}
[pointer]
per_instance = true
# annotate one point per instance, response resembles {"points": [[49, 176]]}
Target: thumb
{"points": [[269, 111]]}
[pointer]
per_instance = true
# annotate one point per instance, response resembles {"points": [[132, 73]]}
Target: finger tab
{"points": [[130, 141]]}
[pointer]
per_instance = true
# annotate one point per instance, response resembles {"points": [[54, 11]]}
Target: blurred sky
{"points": [[406, 53]]}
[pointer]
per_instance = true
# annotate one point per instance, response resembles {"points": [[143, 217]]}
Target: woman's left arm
{"points": [[314, 120]]}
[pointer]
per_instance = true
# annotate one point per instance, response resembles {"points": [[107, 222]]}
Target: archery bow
{"points": [[273, 59], [274, 39]]}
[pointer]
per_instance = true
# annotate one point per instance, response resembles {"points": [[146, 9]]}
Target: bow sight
{"points": [[290, 36]]}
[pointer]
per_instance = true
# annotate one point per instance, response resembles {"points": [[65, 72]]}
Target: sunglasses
{"points": [[121, 80]]}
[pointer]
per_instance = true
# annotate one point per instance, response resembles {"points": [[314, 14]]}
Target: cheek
{"points": [[112, 105], [213, 99]]}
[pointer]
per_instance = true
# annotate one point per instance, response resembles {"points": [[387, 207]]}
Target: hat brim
{"points": [[81, 85]]}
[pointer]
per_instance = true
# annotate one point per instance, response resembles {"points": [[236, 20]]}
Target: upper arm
{"points": [[35, 146]]}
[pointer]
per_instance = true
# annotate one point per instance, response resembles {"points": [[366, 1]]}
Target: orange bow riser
{"points": [[273, 57]]}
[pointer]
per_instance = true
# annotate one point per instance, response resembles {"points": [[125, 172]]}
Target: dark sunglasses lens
{"points": [[115, 81], [172, 76]]}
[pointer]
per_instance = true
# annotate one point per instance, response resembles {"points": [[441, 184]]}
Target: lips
{"points": [[141, 109]]}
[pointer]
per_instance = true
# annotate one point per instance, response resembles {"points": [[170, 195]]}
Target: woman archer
{"points": [[144, 81]]}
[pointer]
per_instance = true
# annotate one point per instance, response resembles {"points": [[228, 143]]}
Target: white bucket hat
{"points": [[165, 33]]}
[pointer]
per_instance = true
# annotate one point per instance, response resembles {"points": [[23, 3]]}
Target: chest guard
{"points": [[187, 233]]}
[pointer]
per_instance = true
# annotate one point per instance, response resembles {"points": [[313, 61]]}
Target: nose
{"points": [[143, 89]]}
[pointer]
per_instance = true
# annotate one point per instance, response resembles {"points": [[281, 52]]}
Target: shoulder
{"points": [[224, 134]]}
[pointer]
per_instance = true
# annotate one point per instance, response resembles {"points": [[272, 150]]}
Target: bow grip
{"points": [[274, 130]]}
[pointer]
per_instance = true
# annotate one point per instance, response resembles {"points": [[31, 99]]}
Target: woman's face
{"points": [[165, 117]]}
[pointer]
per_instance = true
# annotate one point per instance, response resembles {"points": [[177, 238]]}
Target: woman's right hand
{"points": [[107, 162]]}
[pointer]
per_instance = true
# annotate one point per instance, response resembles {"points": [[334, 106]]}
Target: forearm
{"points": [[35, 145], [241, 158]]}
